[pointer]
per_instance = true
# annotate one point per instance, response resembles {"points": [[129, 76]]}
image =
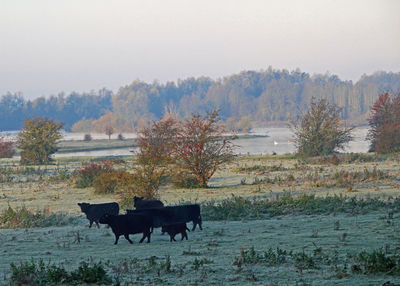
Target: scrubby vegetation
{"points": [[86, 175], [24, 218], [238, 208], [41, 274]]}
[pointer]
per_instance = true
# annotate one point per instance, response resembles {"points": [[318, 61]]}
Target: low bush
{"points": [[24, 218], [86, 176], [7, 149], [32, 273], [87, 137], [181, 179], [108, 182]]}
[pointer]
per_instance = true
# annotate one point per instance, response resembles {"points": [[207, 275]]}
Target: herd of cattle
{"points": [[147, 215]]}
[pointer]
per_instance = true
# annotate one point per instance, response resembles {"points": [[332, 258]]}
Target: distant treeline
{"points": [[14, 109], [251, 96]]}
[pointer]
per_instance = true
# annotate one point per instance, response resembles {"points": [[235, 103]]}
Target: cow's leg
{"points": [[145, 234], [97, 223], [90, 223], [116, 239], [194, 225], [200, 223], [128, 239], [148, 237]]}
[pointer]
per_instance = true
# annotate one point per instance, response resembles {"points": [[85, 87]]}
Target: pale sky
{"points": [[49, 46]]}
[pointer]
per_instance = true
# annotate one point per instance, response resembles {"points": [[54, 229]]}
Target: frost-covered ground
{"points": [[207, 257]]}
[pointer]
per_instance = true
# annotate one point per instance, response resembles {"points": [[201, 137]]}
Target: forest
{"points": [[250, 98]]}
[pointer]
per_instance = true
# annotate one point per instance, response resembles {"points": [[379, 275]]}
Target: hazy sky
{"points": [[65, 45]]}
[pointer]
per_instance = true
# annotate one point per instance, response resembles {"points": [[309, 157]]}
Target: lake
{"points": [[277, 140]]}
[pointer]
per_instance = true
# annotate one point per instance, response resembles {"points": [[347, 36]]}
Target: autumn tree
{"points": [[105, 124], [384, 123], [108, 130], [6, 148], [319, 130], [37, 140], [154, 155], [201, 147]]}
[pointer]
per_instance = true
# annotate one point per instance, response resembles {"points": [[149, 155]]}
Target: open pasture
{"points": [[293, 249], [221, 253]]}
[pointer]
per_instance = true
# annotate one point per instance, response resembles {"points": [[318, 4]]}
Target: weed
{"points": [[247, 257], [376, 262], [272, 258], [197, 263]]}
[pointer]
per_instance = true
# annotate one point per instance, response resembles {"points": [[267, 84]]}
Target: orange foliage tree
{"points": [[154, 155], [384, 123], [201, 148]]}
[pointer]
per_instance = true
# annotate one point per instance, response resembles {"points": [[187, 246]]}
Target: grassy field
{"points": [[294, 249]]}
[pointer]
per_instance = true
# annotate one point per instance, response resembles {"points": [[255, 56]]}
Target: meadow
{"points": [[268, 220]]}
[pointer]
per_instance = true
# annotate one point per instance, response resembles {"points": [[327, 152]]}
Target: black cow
{"points": [[174, 229], [173, 214], [95, 211], [128, 224], [141, 203]]}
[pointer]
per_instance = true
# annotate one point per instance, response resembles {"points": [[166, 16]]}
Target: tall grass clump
{"points": [[24, 218]]}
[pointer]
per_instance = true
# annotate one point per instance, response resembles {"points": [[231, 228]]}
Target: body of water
{"points": [[277, 140]]}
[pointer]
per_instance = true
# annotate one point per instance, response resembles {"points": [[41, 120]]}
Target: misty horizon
{"points": [[327, 73], [53, 46]]}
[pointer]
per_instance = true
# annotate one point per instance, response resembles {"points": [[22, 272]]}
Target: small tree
{"points": [[155, 154], [384, 123], [37, 140], [108, 130], [200, 148], [319, 130], [6, 148]]}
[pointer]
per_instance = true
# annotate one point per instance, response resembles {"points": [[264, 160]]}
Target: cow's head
{"points": [[84, 206], [136, 200]]}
